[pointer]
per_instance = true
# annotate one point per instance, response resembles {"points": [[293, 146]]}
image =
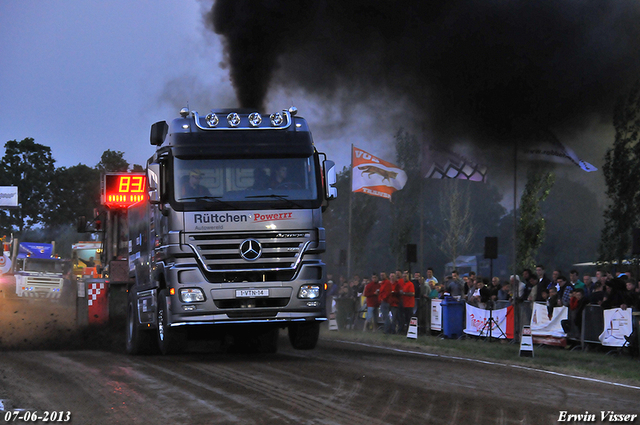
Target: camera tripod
{"points": [[489, 326]]}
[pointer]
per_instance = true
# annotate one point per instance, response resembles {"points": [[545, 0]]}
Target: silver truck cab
{"points": [[229, 241]]}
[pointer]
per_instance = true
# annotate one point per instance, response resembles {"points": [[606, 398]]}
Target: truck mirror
{"points": [[81, 224], [153, 179], [159, 131], [330, 179]]}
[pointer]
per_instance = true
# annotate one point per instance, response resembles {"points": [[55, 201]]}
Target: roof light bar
{"points": [[278, 121]]}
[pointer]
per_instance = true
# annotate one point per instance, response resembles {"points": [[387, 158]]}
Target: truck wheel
{"points": [[139, 341], [268, 341], [304, 336], [170, 340]]}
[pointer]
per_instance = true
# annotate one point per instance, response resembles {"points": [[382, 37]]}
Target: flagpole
{"points": [[350, 216], [516, 291]]}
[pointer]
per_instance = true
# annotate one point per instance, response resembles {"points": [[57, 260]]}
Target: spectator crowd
{"points": [[399, 296]]}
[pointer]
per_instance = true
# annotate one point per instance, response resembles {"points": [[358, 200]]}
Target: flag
{"points": [[443, 163], [375, 176], [549, 148]]}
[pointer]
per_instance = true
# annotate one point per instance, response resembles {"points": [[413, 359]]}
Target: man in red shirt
{"points": [[385, 297], [371, 292], [407, 296], [394, 303]]}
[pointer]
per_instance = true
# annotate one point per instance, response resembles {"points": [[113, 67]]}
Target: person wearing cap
{"points": [[192, 187]]}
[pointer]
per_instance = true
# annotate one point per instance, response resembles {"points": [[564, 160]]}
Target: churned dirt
{"points": [[46, 364]]}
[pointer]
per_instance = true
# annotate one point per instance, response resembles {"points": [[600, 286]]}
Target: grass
{"points": [[593, 363]]}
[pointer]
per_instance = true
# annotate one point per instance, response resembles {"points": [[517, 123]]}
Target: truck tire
{"points": [[304, 336], [170, 340], [139, 341], [268, 341]]}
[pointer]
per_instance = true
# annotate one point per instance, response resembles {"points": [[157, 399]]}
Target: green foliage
{"points": [[75, 192], [112, 162], [623, 181], [573, 226], [364, 216], [531, 224], [406, 202], [30, 167], [457, 230], [48, 196]]}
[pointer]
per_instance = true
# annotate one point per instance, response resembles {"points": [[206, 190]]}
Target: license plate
{"points": [[251, 293]]}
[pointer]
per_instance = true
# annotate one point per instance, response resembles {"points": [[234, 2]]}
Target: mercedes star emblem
{"points": [[250, 249]]}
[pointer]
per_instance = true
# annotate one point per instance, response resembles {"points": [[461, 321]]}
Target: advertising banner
{"points": [[543, 325], [478, 322], [5, 263], [436, 314], [8, 197], [617, 325]]}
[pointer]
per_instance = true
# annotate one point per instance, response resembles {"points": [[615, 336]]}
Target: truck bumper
{"points": [[246, 302]]}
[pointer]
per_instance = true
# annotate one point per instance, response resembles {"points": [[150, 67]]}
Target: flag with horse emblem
{"points": [[375, 176]]}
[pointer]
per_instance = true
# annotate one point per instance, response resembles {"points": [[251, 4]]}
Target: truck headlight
{"points": [[309, 291], [191, 295]]}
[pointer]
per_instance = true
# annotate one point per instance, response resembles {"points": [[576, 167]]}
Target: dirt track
{"points": [[338, 383]]}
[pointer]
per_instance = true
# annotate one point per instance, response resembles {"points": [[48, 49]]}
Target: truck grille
{"points": [[280, 254], [42, 280]]}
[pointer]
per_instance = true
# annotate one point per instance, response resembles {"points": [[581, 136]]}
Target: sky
{"points": [[84, 77]]}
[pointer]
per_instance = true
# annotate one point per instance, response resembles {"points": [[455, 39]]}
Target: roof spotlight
{"points": [[212, 120], [255, 119], [276, 119], [233, 119]]}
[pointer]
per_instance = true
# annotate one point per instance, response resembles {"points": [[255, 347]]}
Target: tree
{"points": [[364, 217], [531, 225], [573, 225], [457, 230], [75, 192], [622, 180], [112, 162], [30, 167], [406, 212]]}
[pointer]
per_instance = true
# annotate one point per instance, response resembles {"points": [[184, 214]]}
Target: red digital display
{"points": [[123, 190]]}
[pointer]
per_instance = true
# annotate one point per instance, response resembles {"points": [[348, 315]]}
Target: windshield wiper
{"points": [[206, 198], [280, 197]]}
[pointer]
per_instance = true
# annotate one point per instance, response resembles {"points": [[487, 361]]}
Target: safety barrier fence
{"points": [[556, 326]]}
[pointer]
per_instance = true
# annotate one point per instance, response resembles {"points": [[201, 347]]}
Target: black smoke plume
{"points": [[487, 70]]}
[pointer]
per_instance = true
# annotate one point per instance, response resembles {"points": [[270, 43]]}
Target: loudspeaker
{"points": [[636, 242], [343, 257], [491, 247], [412, 253]]}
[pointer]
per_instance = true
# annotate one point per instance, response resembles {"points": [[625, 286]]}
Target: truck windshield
{"points": [[238, 180], [43, 265]]}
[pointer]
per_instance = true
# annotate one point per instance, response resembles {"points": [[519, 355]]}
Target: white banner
{"points": [[8, 196], [617, 325], [436, 314], [478, 318], [543, 325], [5, 263]]}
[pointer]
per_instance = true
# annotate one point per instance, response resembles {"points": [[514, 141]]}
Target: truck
{"points": [[228, 242], [35, 271], [87, 258]]}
